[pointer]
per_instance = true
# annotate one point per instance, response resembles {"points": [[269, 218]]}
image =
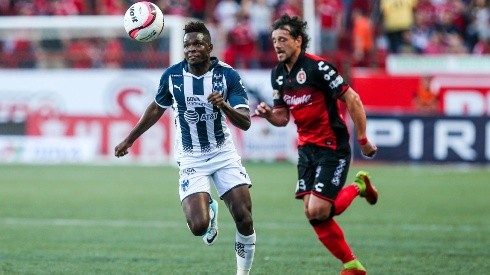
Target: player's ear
{"points": [[299, 40], [210, 47]]}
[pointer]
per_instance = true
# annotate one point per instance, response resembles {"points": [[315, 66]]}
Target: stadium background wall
{"points": [[53, 116]]}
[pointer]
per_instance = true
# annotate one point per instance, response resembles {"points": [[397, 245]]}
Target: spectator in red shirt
{"points": [[241, 49], [79, 54], [330, 15]]}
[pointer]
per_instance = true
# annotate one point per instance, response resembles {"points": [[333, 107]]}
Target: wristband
{"points": [[362, 141]]}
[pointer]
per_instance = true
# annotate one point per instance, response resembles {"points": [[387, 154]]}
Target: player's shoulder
{"points": [[315, 59], [228, 71], [174, 70], [224, 65]]}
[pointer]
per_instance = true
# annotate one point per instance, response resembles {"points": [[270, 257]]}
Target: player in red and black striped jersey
{"points": [[310, 89]]}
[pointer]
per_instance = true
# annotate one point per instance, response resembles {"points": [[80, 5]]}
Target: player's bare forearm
{"points": [[239, 117], [278, 117], [356, 111], [151, 115], [358, 116]]}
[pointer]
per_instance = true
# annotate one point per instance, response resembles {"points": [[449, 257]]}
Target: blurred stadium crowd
{"points": [[356, 33]]}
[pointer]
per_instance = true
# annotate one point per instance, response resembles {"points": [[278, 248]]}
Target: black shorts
{"points": [[321, 171]]}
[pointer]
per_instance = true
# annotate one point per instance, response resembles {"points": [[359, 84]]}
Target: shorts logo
{"points": [[317, 172], [319, 187], [300, 185], [188, 171], [301, 76], [338, 172], [184, 185]]}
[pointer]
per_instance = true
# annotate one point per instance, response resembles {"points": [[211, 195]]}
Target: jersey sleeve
{"points": [[328, 79], [237, 95], [163, 97], [276, 83]]}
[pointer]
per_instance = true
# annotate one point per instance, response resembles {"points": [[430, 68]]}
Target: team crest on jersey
{"points": [[301, 76], [276, 94]]}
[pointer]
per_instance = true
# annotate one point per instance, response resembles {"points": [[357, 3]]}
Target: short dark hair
{"points": [[197, 26], [297, 28]]}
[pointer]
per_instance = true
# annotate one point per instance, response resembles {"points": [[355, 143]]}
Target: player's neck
{"points": [[290, 62], [200, 69]]}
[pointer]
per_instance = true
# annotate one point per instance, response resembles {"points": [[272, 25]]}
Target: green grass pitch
{"points": [[82, 219]]}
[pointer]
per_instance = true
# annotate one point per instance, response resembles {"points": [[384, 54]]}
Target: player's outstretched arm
{"points": [[358, 116], [277, 117], [151, 115]]}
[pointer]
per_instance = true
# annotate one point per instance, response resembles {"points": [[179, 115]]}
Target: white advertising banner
{"points": [[46, 149], [99, 108]]}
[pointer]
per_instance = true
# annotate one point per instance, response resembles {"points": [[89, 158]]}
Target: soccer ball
{"points": [[143, 21]]}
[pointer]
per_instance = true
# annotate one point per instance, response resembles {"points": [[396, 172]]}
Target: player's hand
{"points": [[369, 150], [262, 110], [216, 99], [122, 149]]}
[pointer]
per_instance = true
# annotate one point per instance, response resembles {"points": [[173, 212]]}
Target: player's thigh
{"points": [[196, 209], [230, 176], [239, 202], [331, 173], [306, 168]]}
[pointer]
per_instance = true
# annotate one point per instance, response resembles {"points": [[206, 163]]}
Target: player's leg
{"points": [[212, 233], [330, 233], [196, 211], [331, 171], [194, 192], [239, 203], [366, 188], [361, 186], [233, 183]]}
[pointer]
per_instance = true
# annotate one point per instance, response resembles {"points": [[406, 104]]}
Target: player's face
{"points": [[197, 48], [286, 46]]}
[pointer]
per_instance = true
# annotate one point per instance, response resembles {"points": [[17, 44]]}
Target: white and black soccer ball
{"points": [[143, 21]]}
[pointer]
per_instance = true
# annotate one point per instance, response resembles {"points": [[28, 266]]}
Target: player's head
{"points": [[197, 26], [295, 27], [197, 43]]}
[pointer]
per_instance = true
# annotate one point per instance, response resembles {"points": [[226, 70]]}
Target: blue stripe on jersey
{"points": [[217, 83], [198, 86], [202, 131], [218, 129], [179, 97]]}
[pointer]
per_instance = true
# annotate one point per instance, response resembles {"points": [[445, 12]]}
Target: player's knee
{"points": [[198, 228], [244, 221], [319, 213]]}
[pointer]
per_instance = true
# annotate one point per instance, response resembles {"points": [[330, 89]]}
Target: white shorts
{"points": [[225, 173]]}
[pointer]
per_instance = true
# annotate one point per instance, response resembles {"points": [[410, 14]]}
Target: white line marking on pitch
{"points": [[265, 225]]}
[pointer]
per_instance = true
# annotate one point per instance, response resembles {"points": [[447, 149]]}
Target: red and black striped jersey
{"points": [[310, 91]]}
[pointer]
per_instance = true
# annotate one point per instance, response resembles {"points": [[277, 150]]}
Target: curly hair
{"points": [[197, 26], [297, 28]]}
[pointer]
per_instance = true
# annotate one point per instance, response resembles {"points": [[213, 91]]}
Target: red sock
{"points": [[332, 237], [345, 198]]}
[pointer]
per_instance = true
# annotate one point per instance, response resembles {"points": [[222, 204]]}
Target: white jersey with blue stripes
{"points": [[201, 127]]}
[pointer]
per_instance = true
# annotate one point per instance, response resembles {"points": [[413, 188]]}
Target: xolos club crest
{"points": [[301, 76]]}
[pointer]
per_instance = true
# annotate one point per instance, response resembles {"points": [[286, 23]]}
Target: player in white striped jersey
{"points": [[203, 93]]}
